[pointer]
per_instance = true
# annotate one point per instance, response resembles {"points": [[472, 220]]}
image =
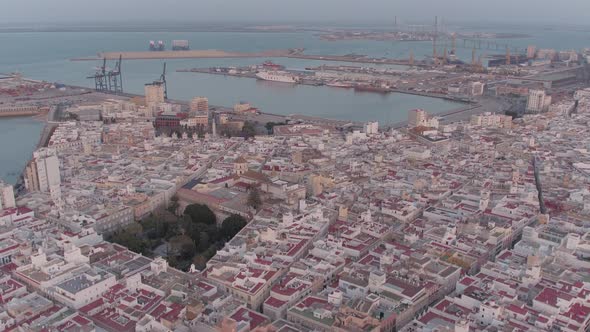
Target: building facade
{"points": [[42, 173], [538, 101], [199, 104], [6, 196], [154, 93]]}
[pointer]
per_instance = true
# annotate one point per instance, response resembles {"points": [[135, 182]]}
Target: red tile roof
{"points": [[246, 315]]}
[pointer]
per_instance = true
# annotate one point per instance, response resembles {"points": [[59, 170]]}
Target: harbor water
{"points": [[46, 56], [18, 140]]}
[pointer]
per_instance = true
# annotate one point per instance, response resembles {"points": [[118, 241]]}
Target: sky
{"points": [[55, 11]]}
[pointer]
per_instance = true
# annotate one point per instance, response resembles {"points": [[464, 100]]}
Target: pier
{"points": [[189, 54], [212, 54], [12, 111]]}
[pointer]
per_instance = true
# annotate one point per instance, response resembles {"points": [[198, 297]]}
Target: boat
{"points": [[338, 84], [278, 76], [372, 88], [272, 66]]}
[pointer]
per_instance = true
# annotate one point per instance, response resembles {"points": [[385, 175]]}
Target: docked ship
{"points": [[269, 65], [157, 47], [338, 84], [278, 76], [372, 88]]}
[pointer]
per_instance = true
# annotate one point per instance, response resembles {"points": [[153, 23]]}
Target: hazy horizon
{"points": [[568, 12]]}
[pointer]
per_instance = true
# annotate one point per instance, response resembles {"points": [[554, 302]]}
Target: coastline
{"points": [[463, 112], [293, 53], [44, 136]]}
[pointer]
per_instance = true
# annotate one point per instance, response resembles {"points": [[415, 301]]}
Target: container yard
{"points": [[26, 97], [180, 45], [294, 53]]}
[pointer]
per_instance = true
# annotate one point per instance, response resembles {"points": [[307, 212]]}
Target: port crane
{"points": [[100, 77], [106, 80], [453, 42], [162, 81], [115, 78]]}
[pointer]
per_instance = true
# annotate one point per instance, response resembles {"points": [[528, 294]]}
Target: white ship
{"points": [[277, 76], [338, 84]]}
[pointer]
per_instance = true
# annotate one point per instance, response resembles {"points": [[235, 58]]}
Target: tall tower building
{"points": [[416, 117], [42, 173], [214, 127], [154, 93], [6, 196], [199, 104], [538, 101], [531, 51]]}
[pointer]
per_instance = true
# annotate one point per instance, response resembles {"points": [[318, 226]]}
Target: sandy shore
{"points": [[192, 54]]}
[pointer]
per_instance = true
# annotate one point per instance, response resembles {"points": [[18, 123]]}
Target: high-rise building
{"points": [[416, 117], [531, 51], [538, 101], [372, 128], [476, 88], [154, 93], [199, 104], [42, 173], [6, 196]]}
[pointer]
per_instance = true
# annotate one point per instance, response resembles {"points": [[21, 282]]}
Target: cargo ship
{"points": [[157, 47], [372, 88], [269, 65], [180, 45], [278, 76]]}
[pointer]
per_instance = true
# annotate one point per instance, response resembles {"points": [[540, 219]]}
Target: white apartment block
{"points": [[6, 196], [538, 101], [43, 173], [199, 104], [154, 93]]}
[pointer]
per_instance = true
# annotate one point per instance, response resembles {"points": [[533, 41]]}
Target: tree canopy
{"points": [[200, 213], [232, 225], [248, 130], [129, 237]]}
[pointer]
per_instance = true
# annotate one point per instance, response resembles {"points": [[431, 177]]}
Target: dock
{"points": [[309, 80], [357, 59], [189, 54], [17, 111], [294, 53]]}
